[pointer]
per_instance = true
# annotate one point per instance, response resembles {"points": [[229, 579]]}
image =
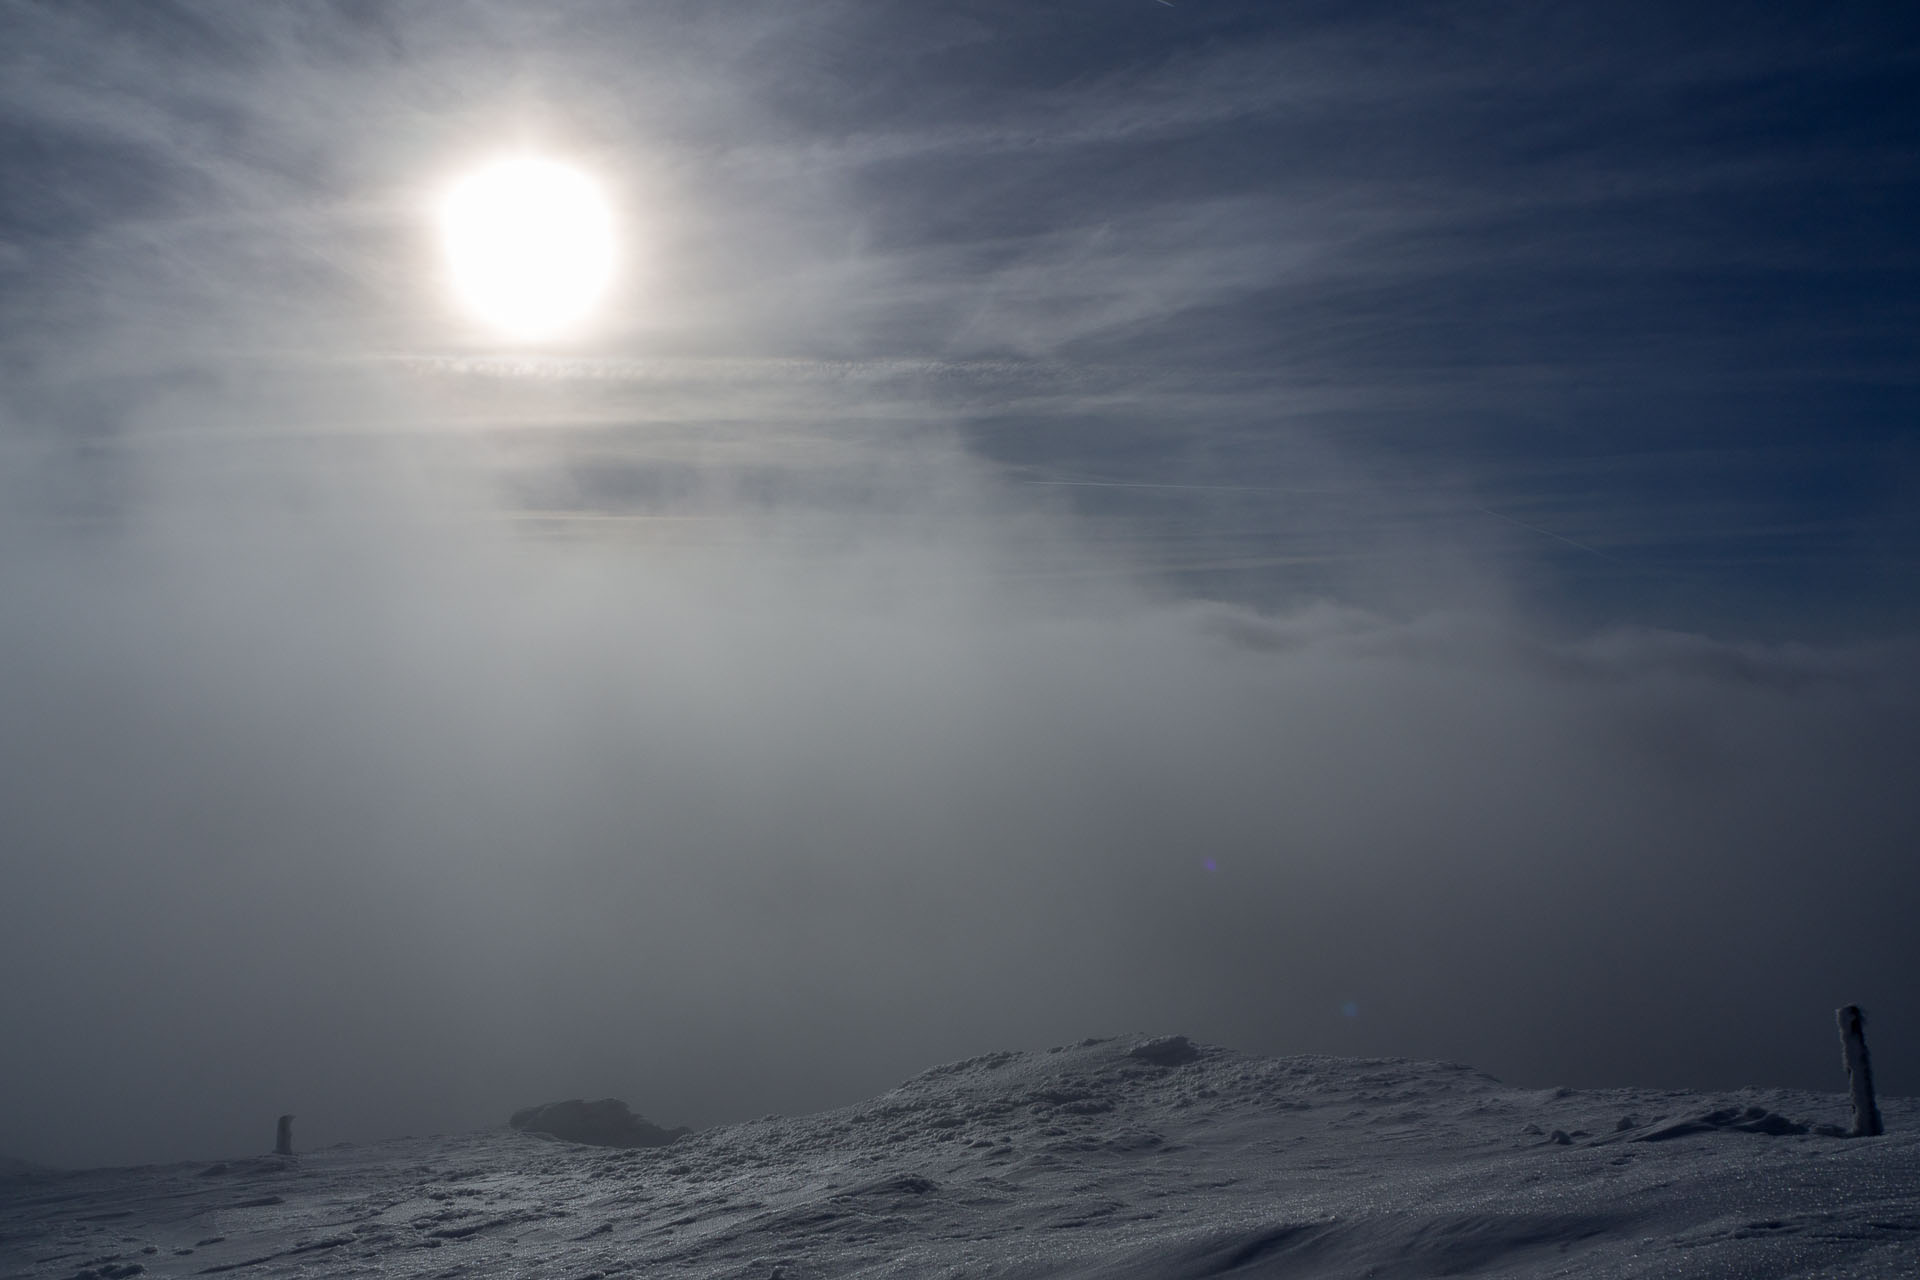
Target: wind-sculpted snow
{"points": [[1091, 1160]]}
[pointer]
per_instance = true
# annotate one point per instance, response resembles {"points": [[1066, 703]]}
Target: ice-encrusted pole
{"points": [[283, 1137], [1853, 1047]]}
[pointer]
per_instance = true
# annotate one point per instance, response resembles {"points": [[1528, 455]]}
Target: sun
{"points": [[529, 243]]}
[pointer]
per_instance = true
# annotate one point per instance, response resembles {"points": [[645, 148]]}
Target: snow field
{"points": [[1110, 1158]]}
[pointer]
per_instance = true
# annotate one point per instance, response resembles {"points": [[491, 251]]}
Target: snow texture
{"points": [[1114, 1158]]}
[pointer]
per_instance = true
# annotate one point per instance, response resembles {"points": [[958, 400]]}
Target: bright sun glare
{"points": [[530, 245]]}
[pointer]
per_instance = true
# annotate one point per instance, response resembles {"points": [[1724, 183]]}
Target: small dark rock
{"points": [[1560, 1138]]}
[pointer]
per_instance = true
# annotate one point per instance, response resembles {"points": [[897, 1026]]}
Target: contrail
{"points": [[1203, 488], [1548, 533], [1085, 481]]}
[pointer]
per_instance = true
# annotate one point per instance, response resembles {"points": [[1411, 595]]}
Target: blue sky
{"points": [[1188, 516], [1622, 296]]}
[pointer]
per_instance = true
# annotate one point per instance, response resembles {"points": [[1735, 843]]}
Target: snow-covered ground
{"points": [[1081, 1161]]}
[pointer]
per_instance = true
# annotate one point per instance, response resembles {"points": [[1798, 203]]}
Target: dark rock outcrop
{"points": [[1166, 1051], [605, 1123]]}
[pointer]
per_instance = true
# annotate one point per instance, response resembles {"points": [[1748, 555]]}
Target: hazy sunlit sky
{"points": [[1325, 527]]}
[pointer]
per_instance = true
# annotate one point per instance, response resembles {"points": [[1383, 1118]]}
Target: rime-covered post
{"points": [[1853, 1047], [283, 1138]]}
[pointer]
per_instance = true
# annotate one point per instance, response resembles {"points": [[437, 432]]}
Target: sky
{"points": [[1343, 528]]}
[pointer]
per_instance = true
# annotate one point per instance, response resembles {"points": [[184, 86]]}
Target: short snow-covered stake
{"points": [[1853, 1046], [283, 1137]]}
